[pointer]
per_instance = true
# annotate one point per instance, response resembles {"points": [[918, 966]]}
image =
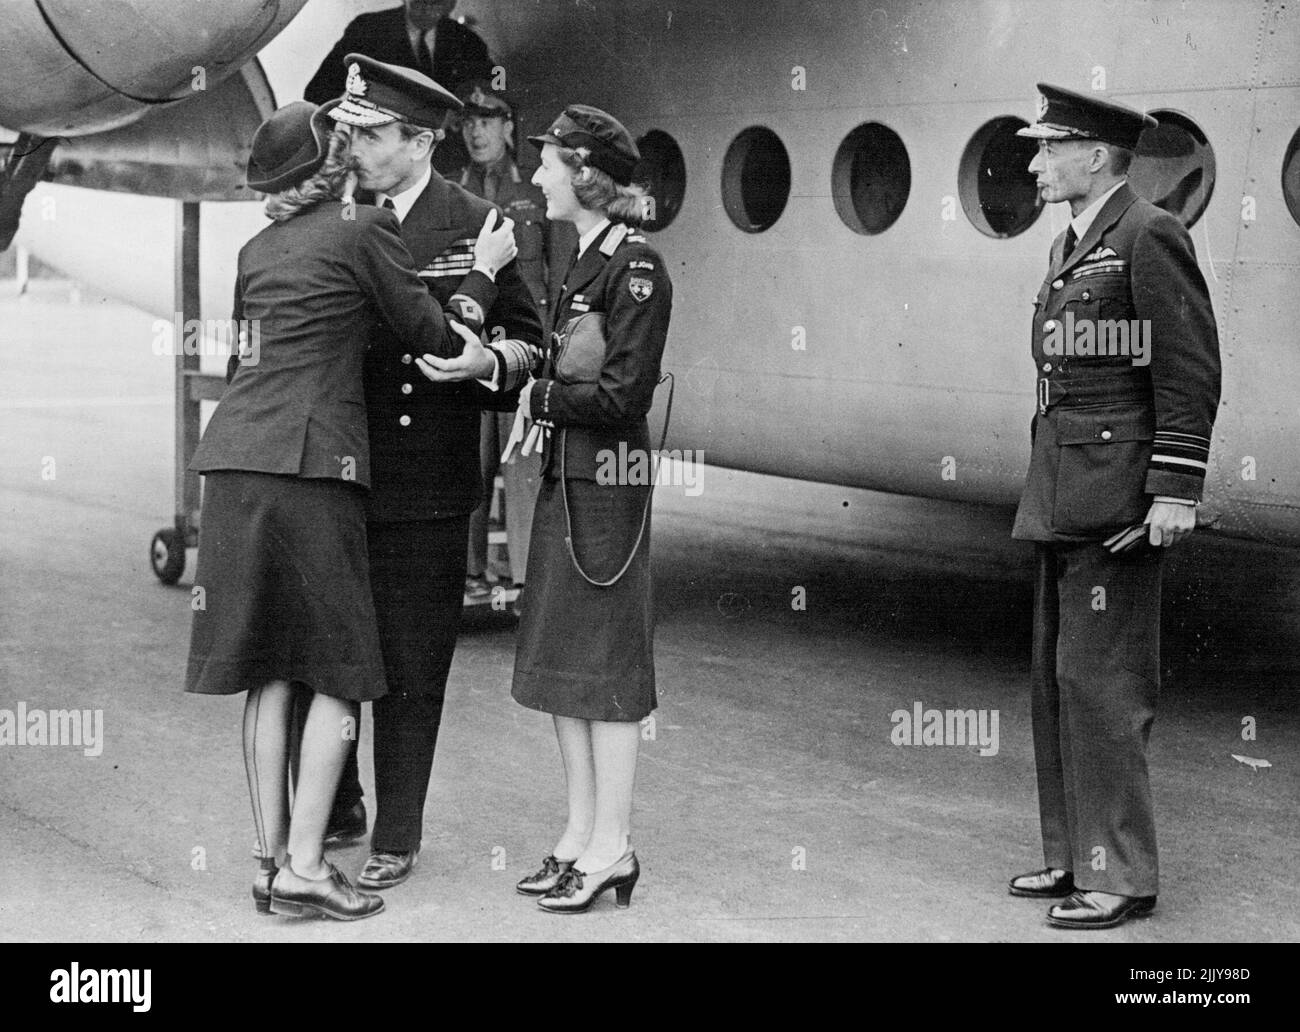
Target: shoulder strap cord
{"points": [[645, 513]]}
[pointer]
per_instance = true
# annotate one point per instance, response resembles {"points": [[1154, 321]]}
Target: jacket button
{"points": [[406, 360], [1047, 367], [406, 388], [1106, 435], [1087, 295], [405, 420], [1050, 325], [1058, 284]]}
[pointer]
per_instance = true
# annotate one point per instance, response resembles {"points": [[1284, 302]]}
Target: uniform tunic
{"points": [[585, 651]]}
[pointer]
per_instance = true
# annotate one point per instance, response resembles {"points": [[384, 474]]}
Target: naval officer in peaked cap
{"points": [[424, 437], [1120, 446]]}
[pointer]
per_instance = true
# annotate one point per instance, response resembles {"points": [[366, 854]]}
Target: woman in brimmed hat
{"points": [[586, 636], [282, 555]]}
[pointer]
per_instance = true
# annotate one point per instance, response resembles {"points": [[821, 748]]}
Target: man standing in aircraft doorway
{"points": [[1127, 359], [424, 443]]}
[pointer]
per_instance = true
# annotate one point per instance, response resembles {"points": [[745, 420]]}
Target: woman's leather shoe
{"points": [[576, 890], [262, 885], [546, 879], [1044, 884], [332, 896], [384, 870], [1084, 910]]}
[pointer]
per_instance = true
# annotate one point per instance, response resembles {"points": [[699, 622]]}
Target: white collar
{"points": [[589, 237], [1084, 220], [404, 201]]}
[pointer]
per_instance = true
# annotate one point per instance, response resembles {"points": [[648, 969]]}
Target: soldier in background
{"points": [[487, 125], [1121, 441]]}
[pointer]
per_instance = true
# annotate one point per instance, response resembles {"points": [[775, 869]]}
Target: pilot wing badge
{"points": [[1099, 254], [640, 288]]}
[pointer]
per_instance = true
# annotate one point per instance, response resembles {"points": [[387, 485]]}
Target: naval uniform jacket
{"points": [[622, 276], [316, 287], [1109, 434], [424, 437], [543, 246]]}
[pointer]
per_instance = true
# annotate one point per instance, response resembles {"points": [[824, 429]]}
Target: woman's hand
{"points": [[495, 248], [475, 362]]}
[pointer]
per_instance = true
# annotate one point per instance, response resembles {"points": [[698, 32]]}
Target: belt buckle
{"points": [[1044, 395]]}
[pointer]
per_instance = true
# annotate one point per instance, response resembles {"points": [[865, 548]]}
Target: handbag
{"points": [[579, 355]]}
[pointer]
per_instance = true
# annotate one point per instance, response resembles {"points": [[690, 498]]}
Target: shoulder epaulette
{"points": [[613, 238]]}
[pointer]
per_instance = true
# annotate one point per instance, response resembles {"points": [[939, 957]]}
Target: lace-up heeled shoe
{"points": [[576, 890], [543, 881], [332, 896], [1044, 884]]}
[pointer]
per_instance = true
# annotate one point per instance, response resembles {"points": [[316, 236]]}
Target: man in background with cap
{"points": [[420, 34], [1121, 440], [424, 437], [487, 125]]}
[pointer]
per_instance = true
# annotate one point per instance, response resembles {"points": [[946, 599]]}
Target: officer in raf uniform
{"points": [[424, 436], [1127, 359], [487, 125]]}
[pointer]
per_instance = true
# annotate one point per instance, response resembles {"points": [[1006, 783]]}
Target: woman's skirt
{"points": [[584, 651], [285, 588]]}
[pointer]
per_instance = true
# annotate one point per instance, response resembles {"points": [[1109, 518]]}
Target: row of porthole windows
{"points": [[871, 176]]}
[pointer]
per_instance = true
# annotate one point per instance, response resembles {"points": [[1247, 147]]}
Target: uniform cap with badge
{"points": [[1066, 115], [377, 94], [479, 98], [608, 144]]}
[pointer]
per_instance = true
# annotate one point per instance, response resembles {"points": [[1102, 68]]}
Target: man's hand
{"points": [[1169, 523], [475, 362], [495, 248]]}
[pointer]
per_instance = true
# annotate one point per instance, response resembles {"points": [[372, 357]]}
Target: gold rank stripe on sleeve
{"points": [[1180, 453], [516, 362], [457, 260]]}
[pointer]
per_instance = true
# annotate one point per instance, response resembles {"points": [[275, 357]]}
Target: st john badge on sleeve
{"points": [[640, 288]]}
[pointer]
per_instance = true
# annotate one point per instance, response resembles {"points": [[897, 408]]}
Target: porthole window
{"points": [[1291, 177], [1173, 166], [662, 171], [755, 179], [870, 178], [998, 192]]}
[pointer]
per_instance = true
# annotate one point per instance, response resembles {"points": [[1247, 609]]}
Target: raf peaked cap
{"points": [[379, 93], [1066, 115], [609, 146], [288, 147]]}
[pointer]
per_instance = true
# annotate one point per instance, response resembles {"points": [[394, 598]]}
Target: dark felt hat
{"points": [[1066, 115], [379, 93], [609, 145], [289, 147]]}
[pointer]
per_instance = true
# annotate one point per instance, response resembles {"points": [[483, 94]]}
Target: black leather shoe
{"points": [[332, 896], [1084, 910], [262, 886], [1042, 884], [576, 890], [346, 827], [384, 870], [546, 879]]}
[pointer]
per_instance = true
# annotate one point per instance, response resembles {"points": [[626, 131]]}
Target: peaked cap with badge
{"points": [[608, 145], [377, 94], [1066, 115]]}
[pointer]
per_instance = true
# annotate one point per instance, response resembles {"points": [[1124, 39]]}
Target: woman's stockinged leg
{"points": [[266, 761], [614, 748], [574, 736], [326, 738]]}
